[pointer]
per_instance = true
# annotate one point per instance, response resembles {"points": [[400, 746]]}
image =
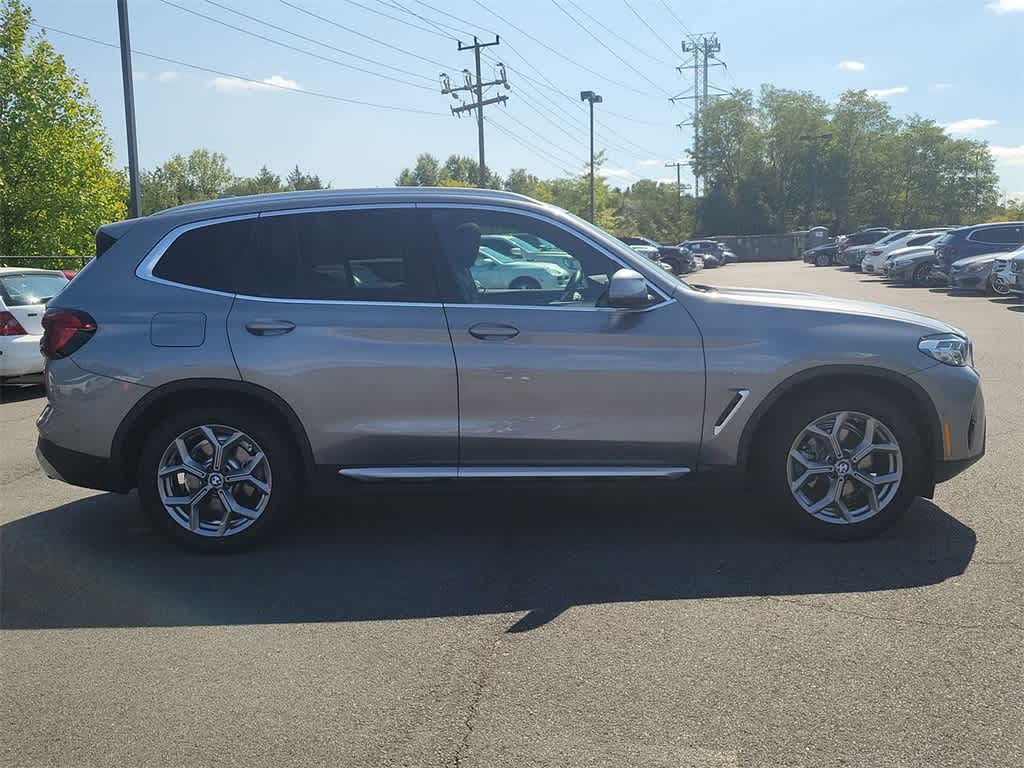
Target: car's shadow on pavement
{"points": [[19, 394], [404, 555]]}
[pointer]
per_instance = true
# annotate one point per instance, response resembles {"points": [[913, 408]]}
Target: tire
{"points": [[920, 275], [996, 289], [822, 260], [277, 471], [675, 266], [524, 283], [837, 260], [787, 432]]}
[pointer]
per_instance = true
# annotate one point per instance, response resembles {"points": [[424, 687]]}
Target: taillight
{"points": [[65, 331], [9, 325]]}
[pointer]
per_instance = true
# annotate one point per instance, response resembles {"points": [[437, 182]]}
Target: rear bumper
{"points": [[20, 356], [79, 469]]}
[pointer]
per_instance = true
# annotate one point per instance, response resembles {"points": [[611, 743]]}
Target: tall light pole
{"points": [[134, 196], [815, 140], [593, 98]]}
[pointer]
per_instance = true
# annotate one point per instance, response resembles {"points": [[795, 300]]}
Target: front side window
{"points": [[357, 255], [568, 272]]}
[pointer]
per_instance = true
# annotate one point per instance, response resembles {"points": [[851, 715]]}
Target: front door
{"points": [[552, 382], [338, 313]]}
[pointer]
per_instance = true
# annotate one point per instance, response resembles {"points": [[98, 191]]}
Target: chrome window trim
{"points": [[478, 473], [639, 267]]}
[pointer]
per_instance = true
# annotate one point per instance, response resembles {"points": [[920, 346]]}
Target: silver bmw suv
{"points": [[226, 358]]}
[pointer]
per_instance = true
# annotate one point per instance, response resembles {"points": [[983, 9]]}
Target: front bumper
{"points": [[960, 408], [969, 281]]}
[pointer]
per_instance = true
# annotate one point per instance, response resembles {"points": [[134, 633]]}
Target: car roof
{"points": [[987, 225], [29, 271]]}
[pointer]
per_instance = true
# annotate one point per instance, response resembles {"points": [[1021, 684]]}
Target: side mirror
{"points": [[516, 252], [627, 290]]}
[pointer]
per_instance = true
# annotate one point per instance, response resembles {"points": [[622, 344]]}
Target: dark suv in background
{"points": [[978, 239], [863, 237], [680, 260]]}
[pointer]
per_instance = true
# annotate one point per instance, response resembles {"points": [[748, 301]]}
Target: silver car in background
{"points": [[222, 359]]}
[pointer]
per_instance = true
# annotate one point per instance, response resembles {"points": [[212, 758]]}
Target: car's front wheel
{"points": [[216, 478], [997, 287], [524, 283], [823, 260], [842, 465], [921, 275]]}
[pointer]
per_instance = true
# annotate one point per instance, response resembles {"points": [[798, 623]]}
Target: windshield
{"points": [[20, 290], [498, 257]]}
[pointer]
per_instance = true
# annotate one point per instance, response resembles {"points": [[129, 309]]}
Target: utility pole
{"points": [[678, 164], [134, 194], [593, 98], [476, 88], [815, 140], [703, 49]]}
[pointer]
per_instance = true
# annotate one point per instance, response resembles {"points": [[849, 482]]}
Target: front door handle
{"points": [[269, 327], [493, 331]]}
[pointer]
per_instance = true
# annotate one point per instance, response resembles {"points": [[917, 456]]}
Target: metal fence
{"points": [[785, 247], [45, 262]]}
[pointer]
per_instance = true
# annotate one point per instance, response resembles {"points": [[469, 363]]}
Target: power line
{"points": [[649, 27], [261, 83], [453, 16], [356, 32], [668, 8], [441, 29], [394, 18], [618, 35], [560, 163], [295, 48], [521, 124], [559, 54], [607, 47], [318, 42]]}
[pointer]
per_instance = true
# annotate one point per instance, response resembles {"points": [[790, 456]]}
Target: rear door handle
{"points": [[493, 331], [269, 327]]}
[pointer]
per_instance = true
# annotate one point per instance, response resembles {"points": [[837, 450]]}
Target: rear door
{"points": [[339, 314], [25, 295]]}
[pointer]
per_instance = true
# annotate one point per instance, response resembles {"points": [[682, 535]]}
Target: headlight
{"points": [[975, 267], [949, 349], [554, 271]]}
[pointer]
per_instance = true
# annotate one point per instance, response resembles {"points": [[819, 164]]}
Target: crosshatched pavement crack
{"points": [[469, 723]]}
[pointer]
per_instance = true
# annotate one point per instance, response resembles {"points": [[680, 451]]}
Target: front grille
{"points": [[999, 264]]}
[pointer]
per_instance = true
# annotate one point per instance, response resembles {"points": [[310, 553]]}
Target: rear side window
{"points": [[921, 240], [208, 257], [1000, 235], [358, 255]]}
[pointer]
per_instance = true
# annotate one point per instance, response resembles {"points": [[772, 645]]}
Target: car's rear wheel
{"points": [[524, 283], [823, 260], [216, 478], [842, 464]]}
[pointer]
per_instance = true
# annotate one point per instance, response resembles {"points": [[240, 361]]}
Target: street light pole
{"points": [[814, 139], [593, 98], [134, 196]]}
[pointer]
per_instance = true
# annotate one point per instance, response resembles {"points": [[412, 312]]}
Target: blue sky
{"points": [[956, 61]]}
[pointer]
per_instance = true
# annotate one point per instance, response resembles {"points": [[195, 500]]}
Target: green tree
{"points": [[656, 210], [57, 184], [263, 182], [203, 175], [426, 173], [297, 180]]}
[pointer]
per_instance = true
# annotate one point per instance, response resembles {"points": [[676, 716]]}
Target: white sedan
{"points": [[23, 296], [493, 271]]}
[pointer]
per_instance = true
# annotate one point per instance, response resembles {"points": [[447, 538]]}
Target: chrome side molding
{"points": [[437, 473]]}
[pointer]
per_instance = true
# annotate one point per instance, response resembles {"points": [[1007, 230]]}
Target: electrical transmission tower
{"points": [[703, 49], [476, 89]]}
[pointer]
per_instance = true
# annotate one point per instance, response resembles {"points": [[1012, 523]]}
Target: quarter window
{"points": [[476, 270], [357, 255], [207, 257], [1000, 235]]}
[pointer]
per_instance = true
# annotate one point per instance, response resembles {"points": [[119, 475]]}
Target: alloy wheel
{"points": [[844, 467], [214, 480]]}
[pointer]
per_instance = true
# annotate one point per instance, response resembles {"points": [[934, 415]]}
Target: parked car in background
{"points": [[178, 364], [495, 271], [1017, 273], [708, 248], [975, 273], [862, 237], [1003, 277], [517, 248], [916, 265], [878, 253], [651, 253], [974, 240], [856, 254], [24, 293], [822, 255], [681, 260]]}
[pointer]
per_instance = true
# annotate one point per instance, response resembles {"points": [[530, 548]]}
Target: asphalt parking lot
{"points": [[572, 627]]}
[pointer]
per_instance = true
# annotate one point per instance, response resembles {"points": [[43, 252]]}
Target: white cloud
{"points": [[1009, 155], [138, 76], [1006, 6], [970, 125], [881, 93], [272, 83], [940, 87], [851, 66], [168, 76], [649, 163], [607, 172], [666, 180]]}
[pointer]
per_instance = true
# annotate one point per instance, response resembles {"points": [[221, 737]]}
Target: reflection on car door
{"points": [[556, 386], [340, 315]]}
